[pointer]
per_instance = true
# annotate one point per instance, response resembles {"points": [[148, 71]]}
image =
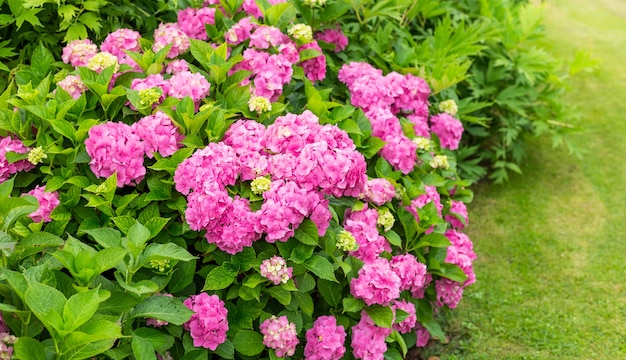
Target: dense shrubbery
{"points": [[241, 184], [208, 192]]}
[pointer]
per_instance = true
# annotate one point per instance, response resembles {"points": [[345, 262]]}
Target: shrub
{"points": [[215, 198]]}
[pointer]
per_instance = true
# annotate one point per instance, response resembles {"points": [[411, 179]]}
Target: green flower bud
{"points": [[37, 155]]}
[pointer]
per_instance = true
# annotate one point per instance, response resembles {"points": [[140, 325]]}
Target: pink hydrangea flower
{"points": [[167, 34], [378, 191], [216, 164], [158, 134], [7, 169], [280, 334], [120, 40], [423, 336], [192, 21], [189, 84], [324, 341], [449, 292], [412, 273], [240, 32], [114, 147], [235, 229], [6, 348], [400, 152], [461, 253], [275, 269], [362, 225], [333, 36], [176, 66], [73, 85], [3, 326], [448, 129], [407, 324], [156, 322], [420, 125], [284, 208], [315, 68], [376, 283], [48, 201], [368, 340], [206, 208], [459, 208], [245, 136], [79, 52], [208, 324]]}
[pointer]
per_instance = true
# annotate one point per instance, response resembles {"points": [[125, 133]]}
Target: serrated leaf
{"points": [[307, 233], [219, 278], [381, 315], [248, 342], [163, 308]]}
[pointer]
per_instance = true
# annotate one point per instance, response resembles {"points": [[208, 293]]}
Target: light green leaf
{"points": [[381, 315], [321, 267], [307, 233], [80, 308], [164, 308], [248, 343], [219, 278], [27, 348], [352, 305]]}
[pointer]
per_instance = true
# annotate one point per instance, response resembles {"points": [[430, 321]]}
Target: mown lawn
{"points": [[552, 243]]}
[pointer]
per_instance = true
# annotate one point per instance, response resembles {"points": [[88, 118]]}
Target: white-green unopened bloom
{"points": [[160, 265], [314, 3], [259, 104], [301, 32], [149, 96], [260, 185], [385, 219], [346, 241], [36, 155], [449, 106], [103, 60], [439, 162], [422, 143]]}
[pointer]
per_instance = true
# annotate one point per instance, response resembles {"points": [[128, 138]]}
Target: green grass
{"points": [[552, 243]]}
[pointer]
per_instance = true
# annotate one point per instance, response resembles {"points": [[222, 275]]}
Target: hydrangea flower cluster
{"points": [[208, 324], [376, 283], [304, 161], [431, 195], [324, 341], [460, 253], [120, 41], [275, 270], [79, 52], [368, 340], [170, 34], [48, 201], [280, 334], [192, 21], [6, 345], [8, 144], [117, 147], [73, 85], [333, 36], [378, 191], [384, 98], [412, 274], [362, 225], [156, 322], [458, 208], [251, 7], [410, 321]]}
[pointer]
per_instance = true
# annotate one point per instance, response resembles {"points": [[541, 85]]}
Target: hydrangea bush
{"points": [[225, 188]]}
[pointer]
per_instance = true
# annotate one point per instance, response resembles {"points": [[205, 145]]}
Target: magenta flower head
{"points": [[48, 201], [275, 270], [377, 283], [368, 340], [167, 34], [208, 326], [79, 52], [120, 40], [333, 36], [280, 334], [114, 147], [448, 129], [192, 21], [7, 169], [158, 134], [324, 341]]}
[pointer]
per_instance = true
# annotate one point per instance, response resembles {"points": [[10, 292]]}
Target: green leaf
{"points": [[330, 291], [225, 350], [248, 343], [283, 296], [137, 236], [381, 315], [91, 339], [27, 348], [164, 308], [168, 251], [46, 303], [108, 258], [106, 237], [321, 267], [434, 240], [352, 305], [393, 238], [6, 187], [12, 209], [155, 225], [307, 233], [160, 341], [80, 308], [280, 15], [219, 278], [142, 349]]}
